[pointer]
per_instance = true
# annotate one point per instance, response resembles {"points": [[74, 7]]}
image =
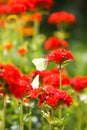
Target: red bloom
{"points": [[31, 4], [45, 3], [54, 97], [36, 17], [36, 4], [65, 80], [40, 73], [42, 98], [11, 73], [1, 70], [54, 80], [8, 46], [79, 83], [1, 90], [17, 7], [58, 17], [15, 83], [34, 93], [2, 22], [59, 56], [22, 50], [21, 86], [2, 9], [13, 7], [54, 43]]}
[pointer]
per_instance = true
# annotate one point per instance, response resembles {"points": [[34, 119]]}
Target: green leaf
{"points": [[40, 63]]}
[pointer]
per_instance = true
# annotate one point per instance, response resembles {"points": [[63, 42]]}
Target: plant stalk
{"points": [[3, 112], [21, 116], [79, 115], [30, 119]]}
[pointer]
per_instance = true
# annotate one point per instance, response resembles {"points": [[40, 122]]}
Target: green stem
{"points": [[36, 31], [79, 119], [60, 110], [60, 77], [51, 117], [30, 119], [35, 36], [3, 113], [50, 126], [79, 115], [60, 114], [21, 116]]}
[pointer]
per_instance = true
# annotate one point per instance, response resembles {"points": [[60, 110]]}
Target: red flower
{"points": [[21, 86], [1, 90], [36, 17], [52, 100], [54, 97], [2, 9], [22, 50], [1, 70], [79, 83], [8, 46], [36, 4], [59, 56], [17, 7], [11, 73], [45, 3], [2, 22], [54, 80], [13, 7], [54, 43], [34, 93], [58, 17], [31, 4], [65, 80], [40, 73], [42, 99]]}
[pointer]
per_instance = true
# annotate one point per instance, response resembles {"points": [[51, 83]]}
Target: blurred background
{"points": [[78, 45]]}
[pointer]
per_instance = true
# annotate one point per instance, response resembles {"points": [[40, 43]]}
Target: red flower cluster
{"points": [[20, 6], [14, 82], [55, 43], [58, 17], [21, 86], [59, 56], [14, 7], [79, 83], [54, 80], [54, 97], [51, 77], [36, 17], [34, 4]]}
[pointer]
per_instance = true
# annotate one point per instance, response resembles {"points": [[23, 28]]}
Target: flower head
{"points": [[21, 86], [36, 4], [79, 83], [22, 50], [2, 22], [8, 46], [54, 97], [54, 80], [59, 17], [59, 56], [36, 17], [55, 43]]}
